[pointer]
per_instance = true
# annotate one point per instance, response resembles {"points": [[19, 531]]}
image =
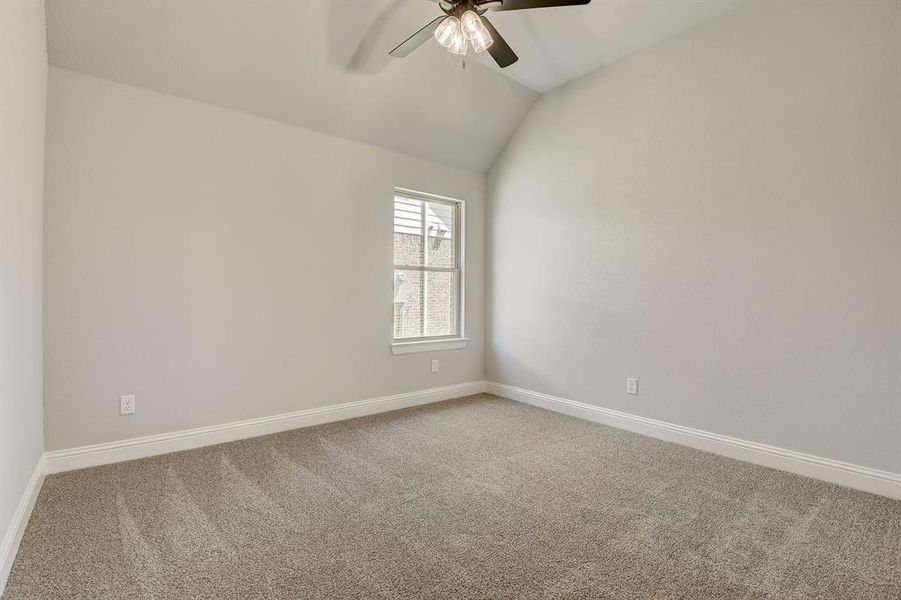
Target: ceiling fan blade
{"points": [[499, 50], [417, 39], [524, 4]]}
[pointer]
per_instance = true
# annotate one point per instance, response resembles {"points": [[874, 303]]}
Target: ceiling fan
{"points": [[463, 26]]}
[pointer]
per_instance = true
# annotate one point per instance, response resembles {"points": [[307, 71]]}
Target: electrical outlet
{"points": [[434, 366], [126, 405], [632, 386]]}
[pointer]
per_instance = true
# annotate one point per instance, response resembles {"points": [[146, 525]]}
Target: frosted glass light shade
{"points": [[448, 32], [458, 46], [470, 23], [476, 32], [481, 40]]}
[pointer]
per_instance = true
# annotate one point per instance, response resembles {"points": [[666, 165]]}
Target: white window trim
{"points": [[458, 340], [426, 345]]}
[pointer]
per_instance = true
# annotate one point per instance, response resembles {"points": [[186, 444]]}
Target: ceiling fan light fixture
{"points": [[463, 26], [471, 23], [449, 32], [476, 32], [481, 41], [459, 45]]}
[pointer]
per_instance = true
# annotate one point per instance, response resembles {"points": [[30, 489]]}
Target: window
{"points": [[428, 278]]}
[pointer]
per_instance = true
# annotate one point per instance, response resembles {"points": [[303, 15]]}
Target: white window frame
{"points": [[456, 340]]}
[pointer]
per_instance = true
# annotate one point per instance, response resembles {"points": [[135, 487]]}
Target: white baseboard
{"points": [[9, 545], [152, 445], [854, 476]]}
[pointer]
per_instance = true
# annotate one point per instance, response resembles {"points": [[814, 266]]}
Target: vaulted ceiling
{"points": [[323, 64]]}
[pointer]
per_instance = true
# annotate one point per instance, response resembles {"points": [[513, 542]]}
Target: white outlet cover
{"points": [[127, 405], [434, 366], [632, 386]]}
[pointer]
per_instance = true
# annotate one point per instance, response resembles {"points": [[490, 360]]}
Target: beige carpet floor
{"points": [[474, 498]]}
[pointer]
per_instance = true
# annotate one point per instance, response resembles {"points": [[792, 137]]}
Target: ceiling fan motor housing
{"points": [[457, 9]]}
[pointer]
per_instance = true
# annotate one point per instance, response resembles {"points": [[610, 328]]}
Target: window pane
{"points": [[408, 247], [426, 301], [440, 225], [408, 296], [441, 303]]}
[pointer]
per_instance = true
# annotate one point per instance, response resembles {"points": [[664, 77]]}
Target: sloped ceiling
{"points": [[323, 64], [319, 65], [559, 45]]}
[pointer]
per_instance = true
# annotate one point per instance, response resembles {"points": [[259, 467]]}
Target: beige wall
{"points": [[23, 93], [222, 267], [719, 216]]}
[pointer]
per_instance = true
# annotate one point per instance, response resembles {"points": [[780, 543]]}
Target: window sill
{"points": [[428, 345]]}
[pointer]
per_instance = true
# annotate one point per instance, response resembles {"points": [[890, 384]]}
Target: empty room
{"points": [[450, 299]]}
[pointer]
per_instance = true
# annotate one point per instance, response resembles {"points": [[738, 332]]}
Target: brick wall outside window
{"points": [[440, 287]]}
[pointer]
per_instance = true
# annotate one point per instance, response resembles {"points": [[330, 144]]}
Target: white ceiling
{"points": [[557, 45], [323, 64]]}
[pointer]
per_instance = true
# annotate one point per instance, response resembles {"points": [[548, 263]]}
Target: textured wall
{"points": [[23, 94], [719, 216], [222, 267]]}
